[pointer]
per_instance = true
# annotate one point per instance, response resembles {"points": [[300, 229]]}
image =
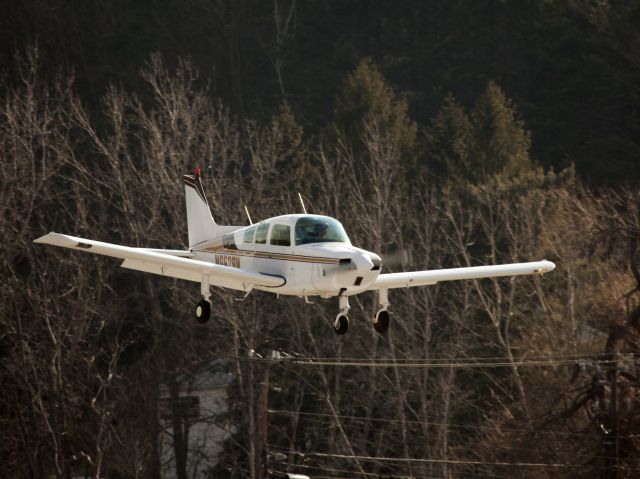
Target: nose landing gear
{"points": [[341, 324]]}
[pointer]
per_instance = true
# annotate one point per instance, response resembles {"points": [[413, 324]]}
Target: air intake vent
{"points": [[358, 281], [376, 264]]}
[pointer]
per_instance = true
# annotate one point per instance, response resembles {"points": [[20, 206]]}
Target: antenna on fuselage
{"points": [[302, 203], [248, 215]]}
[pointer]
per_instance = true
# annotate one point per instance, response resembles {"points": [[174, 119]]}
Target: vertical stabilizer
{"points": [[200, 223]]}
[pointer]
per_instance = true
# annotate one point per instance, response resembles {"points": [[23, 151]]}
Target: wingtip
{"points": [[57, 239], [544, 266], [44, 238]]}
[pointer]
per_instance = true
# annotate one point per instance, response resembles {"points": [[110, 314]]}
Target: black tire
{"points": [[203, 311], [381, 322], [342, 326]]}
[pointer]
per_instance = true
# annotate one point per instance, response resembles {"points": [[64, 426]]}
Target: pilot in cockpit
{"points": [[319, 230], [315, 229]]}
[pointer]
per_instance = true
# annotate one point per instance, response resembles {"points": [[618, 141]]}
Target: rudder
{"points": [[201, 225]]}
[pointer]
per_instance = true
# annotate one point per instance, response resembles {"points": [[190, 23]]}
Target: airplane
{"points": [[304, 255]]}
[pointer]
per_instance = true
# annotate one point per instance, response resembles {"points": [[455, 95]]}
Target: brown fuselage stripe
{"points": [[266, 255]]}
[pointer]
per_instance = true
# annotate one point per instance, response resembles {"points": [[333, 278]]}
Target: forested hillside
{"points": [[573, 68], [465, 133]]}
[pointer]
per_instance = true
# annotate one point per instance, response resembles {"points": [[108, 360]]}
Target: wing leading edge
{"points": [[424, 278], [170, 263]]}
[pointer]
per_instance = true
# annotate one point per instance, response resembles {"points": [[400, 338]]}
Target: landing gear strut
{"points": [[341, 324], [203, 308]]}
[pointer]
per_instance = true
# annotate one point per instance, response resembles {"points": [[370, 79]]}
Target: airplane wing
{"points": [[424, 278], [173, 263]]}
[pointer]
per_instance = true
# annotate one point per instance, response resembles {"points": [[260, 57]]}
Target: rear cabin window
{"points": [[261, 233], [248, 235], [229, 242], [280, 235]]}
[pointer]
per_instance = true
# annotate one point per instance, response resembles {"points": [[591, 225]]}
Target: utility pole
{"points": [[261, 425], [610, 441], [258, 427]]}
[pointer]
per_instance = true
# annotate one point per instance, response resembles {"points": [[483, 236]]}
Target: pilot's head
{"points": [[320, 229]]}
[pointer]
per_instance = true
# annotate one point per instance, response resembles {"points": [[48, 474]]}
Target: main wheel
{"points": [[381, 321], [341, 324], [203, 311]]}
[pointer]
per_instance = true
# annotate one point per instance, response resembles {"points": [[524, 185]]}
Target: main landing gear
{"points": [[203, 311], [203, 308], [381, 319]]}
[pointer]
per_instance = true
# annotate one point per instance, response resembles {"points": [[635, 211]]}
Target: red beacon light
{"points": [[197, 171]]}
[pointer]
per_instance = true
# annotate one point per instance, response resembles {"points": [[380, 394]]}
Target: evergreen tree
{"points": [[501, 142], [365, 96], [449, 140], [490, 140]]}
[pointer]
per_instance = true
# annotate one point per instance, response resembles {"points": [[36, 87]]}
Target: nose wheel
{"points": [[341, 324]]}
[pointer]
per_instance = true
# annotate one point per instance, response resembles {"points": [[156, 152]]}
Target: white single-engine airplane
{"points": [[301, 255]]}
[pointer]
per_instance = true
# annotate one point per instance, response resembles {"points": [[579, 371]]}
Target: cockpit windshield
{"points": [[318, 229]]}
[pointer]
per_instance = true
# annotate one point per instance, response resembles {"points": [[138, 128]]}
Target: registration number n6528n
{"points": [[228, 260]]}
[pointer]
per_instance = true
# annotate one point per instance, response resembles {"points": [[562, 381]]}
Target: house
{"points": [[191, 413]]}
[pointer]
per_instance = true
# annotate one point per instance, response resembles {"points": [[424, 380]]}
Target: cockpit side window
{"points": [[248, 235], [261, 233], [316, 229], [280, 235]]}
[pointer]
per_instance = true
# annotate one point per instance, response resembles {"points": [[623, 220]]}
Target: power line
{"points": [[281, 412], [444, 461], [394, 444], [449, 362], [585, 357], [453, 364], [372, 474], [292, 357]]}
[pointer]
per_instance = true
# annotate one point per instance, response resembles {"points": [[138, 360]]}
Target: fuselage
{"points": [[311, 252]]}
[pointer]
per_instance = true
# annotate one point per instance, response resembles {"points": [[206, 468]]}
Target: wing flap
{"points": [[155, 268], [160, 263], [429, 277]]}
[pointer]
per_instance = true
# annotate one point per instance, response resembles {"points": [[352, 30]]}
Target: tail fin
{"points": [[200, 223]]}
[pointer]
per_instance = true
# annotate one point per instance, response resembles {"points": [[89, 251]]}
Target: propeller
{"points": [[401, 257]]}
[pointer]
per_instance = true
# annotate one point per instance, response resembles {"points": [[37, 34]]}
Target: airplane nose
{"points": [[375, 259], [367, 262], [363, 262]]}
